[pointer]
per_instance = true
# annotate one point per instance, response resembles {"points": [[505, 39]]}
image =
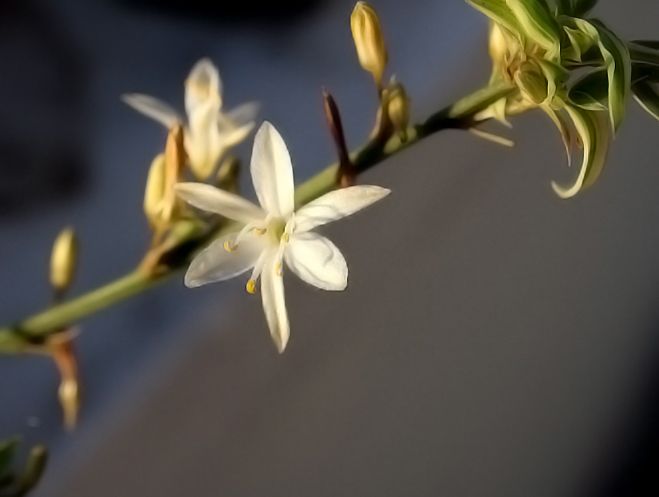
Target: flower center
{"points": [[276, 229]]}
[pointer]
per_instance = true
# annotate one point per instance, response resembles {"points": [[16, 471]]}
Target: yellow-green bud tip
{"points": [[63, 260]]}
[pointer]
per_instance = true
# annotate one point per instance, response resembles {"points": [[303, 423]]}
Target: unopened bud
{"points": [[154, 191], [398, 108], [63, 353], [174, 162], [369, 41], [63, 260]]}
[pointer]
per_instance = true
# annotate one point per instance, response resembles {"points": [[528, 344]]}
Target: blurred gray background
{"points": [[493, 341]]}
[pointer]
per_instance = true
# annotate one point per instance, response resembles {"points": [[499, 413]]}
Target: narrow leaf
{"points": [[581, 7], [619, 69], [648, 97], [538, 24], [644, 52], [595, 138], [591, 91], [498, 11], [564, 129]]}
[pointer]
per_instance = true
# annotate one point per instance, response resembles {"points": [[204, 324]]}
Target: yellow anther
{"points": [[228, 246], [251, 286]]}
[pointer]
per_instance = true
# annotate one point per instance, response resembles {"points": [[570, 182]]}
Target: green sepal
{"points": [[595, 136]]}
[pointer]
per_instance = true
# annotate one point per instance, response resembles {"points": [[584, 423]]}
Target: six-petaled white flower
{"points": [[209, 132], [273, 233]]}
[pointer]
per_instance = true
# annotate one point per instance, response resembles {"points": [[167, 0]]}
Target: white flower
{"points": [[273, 233], [209, 132]]}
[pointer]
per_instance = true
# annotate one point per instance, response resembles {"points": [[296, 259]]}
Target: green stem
{"points": [[15, 338]]}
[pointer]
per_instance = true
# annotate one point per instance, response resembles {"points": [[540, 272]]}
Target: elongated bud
{"points": [[174, 162], [398, 108], [63, 260], [369, 41], [346, 172], [63, 353], [154, 191]]}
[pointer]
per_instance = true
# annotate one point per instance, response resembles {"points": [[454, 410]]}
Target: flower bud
{"points": [[154, 192], [63, 260], [174, 163], [369, 41], [63, 353], [398, 108]]}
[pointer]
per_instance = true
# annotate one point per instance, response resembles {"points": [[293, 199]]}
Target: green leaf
{"points": [[595, 137], [653, 44], [619, 68], [576, 8], [644, 52], [647, 72], [581, 7], [538, 24], [563, 128], [647, 96], [591, 92], [579, 44], [7, 451], [497, 11]]}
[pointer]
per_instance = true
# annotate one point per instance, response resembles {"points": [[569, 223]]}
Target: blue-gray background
{"points": [[494, 341]]}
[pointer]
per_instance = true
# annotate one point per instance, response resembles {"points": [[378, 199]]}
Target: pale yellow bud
{"points": [[154, 191], [369, 41], [498, 45], [63, 260], [398, 108]]}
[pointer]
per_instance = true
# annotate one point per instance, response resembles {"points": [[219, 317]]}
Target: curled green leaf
{"points": [[595, 138], [564, 129], [497, 11], [538, 23], [591, 91], [619, 69]]}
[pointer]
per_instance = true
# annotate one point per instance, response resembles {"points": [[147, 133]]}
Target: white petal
{"points": [[215, 263], [274, 303], [212, 199], [272, 172], [202, 86], [243, 114], [203, 141], [316, 260], [336, 205], [153, 108], [234, 136]]}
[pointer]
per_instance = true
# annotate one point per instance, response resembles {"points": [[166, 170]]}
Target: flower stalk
{"points": [[187, 238]]}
